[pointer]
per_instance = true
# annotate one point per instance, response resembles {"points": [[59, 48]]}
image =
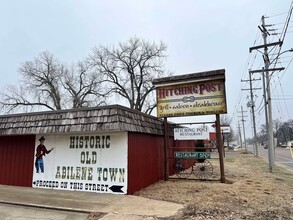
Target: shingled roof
{"points": [[106, 118]]}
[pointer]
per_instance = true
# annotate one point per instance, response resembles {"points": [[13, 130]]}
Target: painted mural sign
{"points": [[83, 162], [197, 98], [197, 133]]}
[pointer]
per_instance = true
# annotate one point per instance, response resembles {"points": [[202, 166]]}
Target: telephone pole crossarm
{"points": [[265, 45], [251, 89], [261, 70]]}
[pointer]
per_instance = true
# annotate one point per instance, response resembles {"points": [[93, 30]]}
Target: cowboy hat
{"points": [[42, 138]]}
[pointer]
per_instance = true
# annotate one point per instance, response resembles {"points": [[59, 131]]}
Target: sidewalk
{"points": [[114, 206]]}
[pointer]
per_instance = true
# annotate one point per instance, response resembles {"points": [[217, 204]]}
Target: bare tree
{"points": [[262, 134], [39, 86], [19, 98], [48, 84], [129, 70], [84, 86], [284, 132], [225, 120]]}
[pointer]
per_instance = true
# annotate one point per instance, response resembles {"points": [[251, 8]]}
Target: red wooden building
{"points": [[125, 149]]}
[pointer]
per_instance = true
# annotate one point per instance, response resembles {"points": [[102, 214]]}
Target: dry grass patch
{"points": [[253, 192]]}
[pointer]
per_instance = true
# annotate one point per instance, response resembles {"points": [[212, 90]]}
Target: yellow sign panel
{"points": [[198, 98]]}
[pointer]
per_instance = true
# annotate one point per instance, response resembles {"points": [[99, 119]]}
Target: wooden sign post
{"points": [[190, 95]]}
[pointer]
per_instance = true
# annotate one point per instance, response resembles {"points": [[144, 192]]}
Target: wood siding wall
{"points": [[16, 160], [146, 159]]}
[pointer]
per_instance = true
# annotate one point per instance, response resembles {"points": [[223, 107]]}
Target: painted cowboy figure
{"points": [[41, 151]]}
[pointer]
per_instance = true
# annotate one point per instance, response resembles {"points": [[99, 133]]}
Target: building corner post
{"points": [[166, 149]]}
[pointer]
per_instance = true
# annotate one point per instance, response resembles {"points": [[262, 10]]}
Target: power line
{"points": [[283, 34], [250, 60], [282, 98], [271, 16]]}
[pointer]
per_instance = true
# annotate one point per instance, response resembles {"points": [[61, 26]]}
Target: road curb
{"points": [[46, 207]]}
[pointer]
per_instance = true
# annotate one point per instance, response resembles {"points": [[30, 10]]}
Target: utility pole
{"points": [[265, 104], [240, 137], [270, 116], [243, 127], [252, 105], [252, 131], [266, 72]]}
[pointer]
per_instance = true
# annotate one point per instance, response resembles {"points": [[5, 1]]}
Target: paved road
{"points": [[16, 212], [282, 155]]}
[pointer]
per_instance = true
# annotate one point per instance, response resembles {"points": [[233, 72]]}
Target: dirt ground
{"points": [[251, 191]]}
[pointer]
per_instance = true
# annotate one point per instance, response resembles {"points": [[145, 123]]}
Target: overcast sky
{"points": [[201, 35]]}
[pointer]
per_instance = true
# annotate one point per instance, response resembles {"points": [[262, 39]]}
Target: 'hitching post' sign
{"points": [[203, 95], [199, 133]]}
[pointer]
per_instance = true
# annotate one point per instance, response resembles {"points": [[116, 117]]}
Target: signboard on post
{"points": [[194, 155], [199, 133], [200, 97], [225, 129], [200, 93]]}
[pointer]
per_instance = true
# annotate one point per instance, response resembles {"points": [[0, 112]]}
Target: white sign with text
{"points": [[94, 162], [197, 133]]}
